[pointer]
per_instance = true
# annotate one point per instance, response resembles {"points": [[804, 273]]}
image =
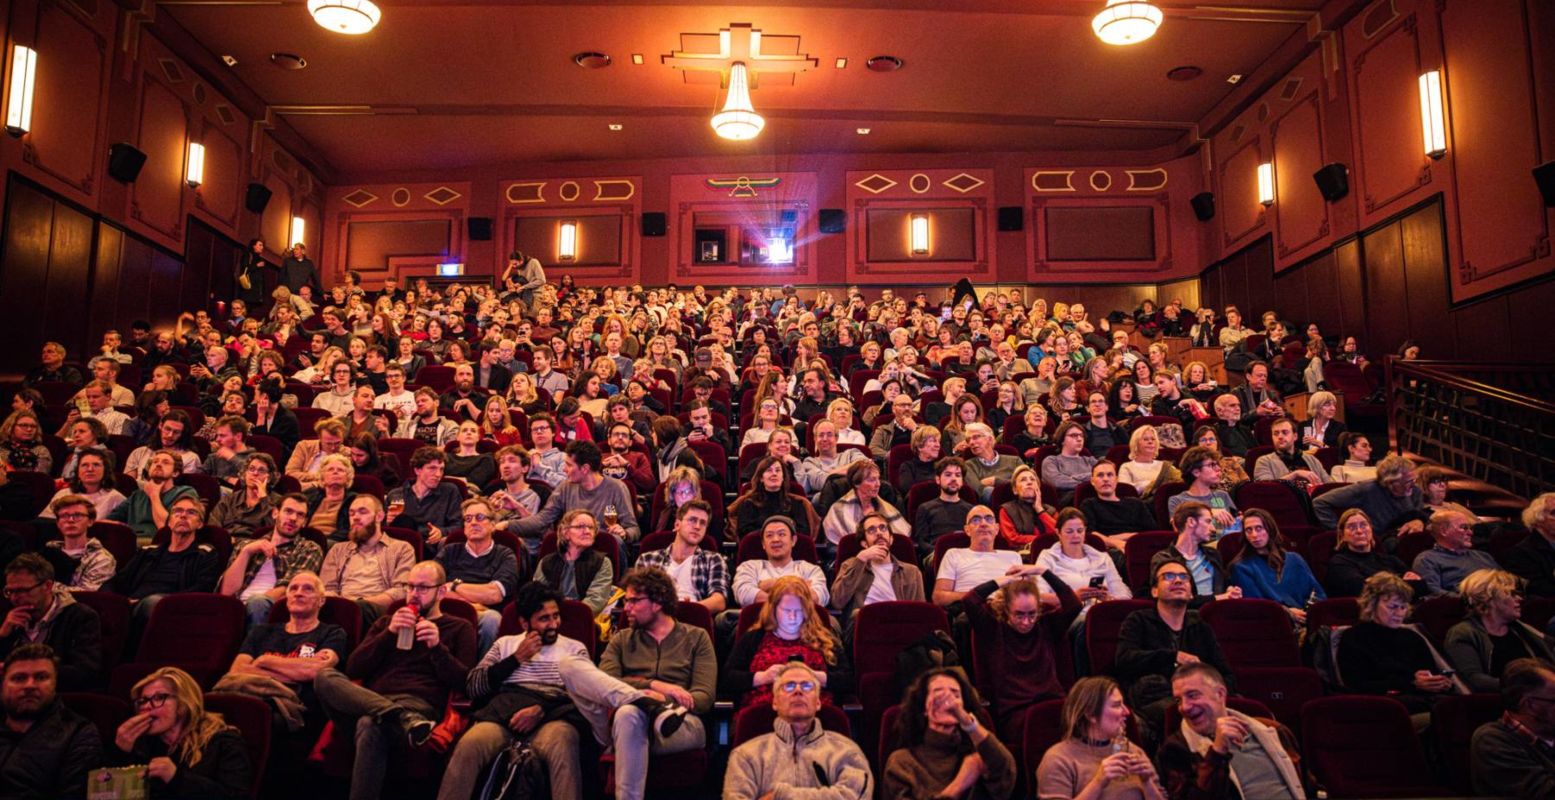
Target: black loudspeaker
{"points": [[833, 220], [1203, 206], [654, 223], [480, 229], [124, 162], [1544, 175], [1011, 218], [1333, 180], [257, 197]]}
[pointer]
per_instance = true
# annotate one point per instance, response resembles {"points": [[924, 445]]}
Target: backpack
{"points": [[934, 650], [516, 774]]}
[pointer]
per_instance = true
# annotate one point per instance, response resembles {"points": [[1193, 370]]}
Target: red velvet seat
{"points": [[1253, 633], [1278, 498], [1138, 551], [1454, 718], [880, 631], [1102, 625], [1333, 612], [251, 716], [658, 540], [119, 539], [1411, 545], [1320, 551], [577, 623], [408, 535], [1438, 614], [113, 616], [1365, 746], [336, 611], [194, 631], [850, 545], [924, 491], [401, 449], [39, 486], [106, 712]]}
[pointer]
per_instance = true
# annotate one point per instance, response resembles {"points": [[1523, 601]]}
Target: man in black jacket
{"points": [[1154, 642], [1114, 518], [179, 565], [298, 271], [43, 613], [46, 750]]}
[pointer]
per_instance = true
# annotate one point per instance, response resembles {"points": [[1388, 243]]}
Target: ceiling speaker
{"points": [[256, 198], [1203, 206], [654, 223], [124, 162], [1012, 218], [1333, 180], [833, 220], [1544, 175], [480, 228]]}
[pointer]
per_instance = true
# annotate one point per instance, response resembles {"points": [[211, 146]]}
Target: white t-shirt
{"points": [[403, 404], [681, 574], [264, 581], [965, 568], [880, 590]]}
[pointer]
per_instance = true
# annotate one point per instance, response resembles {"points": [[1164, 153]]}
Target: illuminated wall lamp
{"points": [[1433, 122], [567, 241], [299, 227], [18, 105], [194, 174], [1266, 183], [919, 232]]}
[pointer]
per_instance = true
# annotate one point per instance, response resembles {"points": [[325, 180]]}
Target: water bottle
{"points": [[407, 636]]}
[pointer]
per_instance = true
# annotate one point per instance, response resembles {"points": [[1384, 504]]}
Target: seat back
{"points": [[107, 712], [113, 616], [902, 549], [607, 546], [1320, 550], [757, 720], [1138, 551], [1438, 614], [251, 716], [693, 613], [1364, 746], [118, 538], [336, 610], [1282, 500], [1102, 625], [1454, 718], [1411, 545], [1253, 633]]}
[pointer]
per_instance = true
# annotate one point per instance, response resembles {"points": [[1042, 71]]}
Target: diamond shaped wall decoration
{"points": [[874, 184], [442, 195], [962, 183], [359, 198]]}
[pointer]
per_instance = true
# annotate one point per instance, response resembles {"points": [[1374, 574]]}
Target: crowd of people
{"points": [[714, 484]]}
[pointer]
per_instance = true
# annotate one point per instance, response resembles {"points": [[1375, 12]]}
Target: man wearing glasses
{"points": [[1154, 642], [89, 562], [798, 753], [178, 565], [47, 749], [655, 677], [962, 569], [261, 567], [1510, 757], [480, 570], [1392, 502], [42, 612], [402, 691]]}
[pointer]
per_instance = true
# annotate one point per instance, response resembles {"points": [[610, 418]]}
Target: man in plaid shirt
{"points": [[699, 574]]}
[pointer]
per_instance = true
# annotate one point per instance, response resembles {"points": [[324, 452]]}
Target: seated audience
{"points": [[425, 424], [1266, 570], [576, 571], [1509, 757], [370, 566], [290, 654], [426, 503], [47, 750], [875, 575], [1071, 465], [482, 572], [93, 480], [175, 435], [1201, 466], [1153, 642], [90, 564], [43, 612], [180, 564], [1357, 558], [1144, 470], [827, 460], [1493, 634], [798, 758], [945, 513], [586, 486], [147, 509], [700, 575], [792, 626], [944, 751], [1116, 519], [768, 496], [1382, 655], [1091, 573], [1017, 644], [863, 498], [1391, 501], [250, 506], [1357, 457], [308, 456], [962, 569], [467, 462], [926, 444], [898, 429], [1234, 430], [1195, 529], [261, 568], [1095, 758], [1287, 462], [1233, 471], [188, 752], [1024, 518], [754, 578], [985, 467], [329, 501], [1452, 556], [1219, 752], [388, 694]]}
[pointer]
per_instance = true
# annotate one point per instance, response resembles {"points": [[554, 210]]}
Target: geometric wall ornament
{"points": [[1146, 180], [359, 198], [919, 183], [569, 191], [613, 190], [442, 196], [526, 192], [962, 183], [400, 197], [171, 69], [1053, 180], [874, 184], [745, 186], [1101, 180]]}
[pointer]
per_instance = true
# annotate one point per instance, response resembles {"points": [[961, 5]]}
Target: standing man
{"points": [[524, 276], [297, 271]]}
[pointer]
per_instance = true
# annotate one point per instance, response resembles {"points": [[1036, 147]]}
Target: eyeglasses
{"points": [[629, 601], [1174, 577], [185, 512], [18, 591], [421, 587], [1025, 614], [983, 518], [468, 518], [258, 469], [153, 700], [68, 515], [798, 686]]}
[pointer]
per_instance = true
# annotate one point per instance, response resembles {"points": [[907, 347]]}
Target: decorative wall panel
{"points": [[908, 191]]}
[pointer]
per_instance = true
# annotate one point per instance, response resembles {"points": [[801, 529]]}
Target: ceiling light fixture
{"points": [[18, 102], [738, 120], [615, 126], [1125, 22], [353, 17], [862, 131]]}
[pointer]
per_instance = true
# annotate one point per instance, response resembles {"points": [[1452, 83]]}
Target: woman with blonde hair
{"points": [[790, 627], [523, 396], [1095, 759], [1144, 470], [497, 423], [683, 485], [840, 412], [21, 443], [1493, 634], [1321, 428], [1382, 654], [188, 752]]}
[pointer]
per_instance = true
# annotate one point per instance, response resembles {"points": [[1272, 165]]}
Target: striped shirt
{"points": [[541, 670]]}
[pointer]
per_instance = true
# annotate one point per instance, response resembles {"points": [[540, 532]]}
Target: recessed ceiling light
{"points": [[591, 60], [1184, 73], [288, 60], [862, 131], [842, 63], [637, 58], [884, 63], [615, 126], [229, 60], [1234, 78]]}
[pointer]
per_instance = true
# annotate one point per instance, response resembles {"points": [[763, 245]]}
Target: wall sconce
{"points": [[1433, 122], [299, 227], [194, 174], [1266, 183], [919, 230], [18, 105], [567, 241]]}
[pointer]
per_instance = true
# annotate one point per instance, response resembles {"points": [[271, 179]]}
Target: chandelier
{"points": [[738, 120], [1125, 22], [345, 16]]}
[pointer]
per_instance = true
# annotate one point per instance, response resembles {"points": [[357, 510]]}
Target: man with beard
{"points": [[42, 612], [623, 463], [464, 401], [295, 651], [518, 687], [261, 568], [874, 575], [146, 510], [386, 692], [426, 424], [46, 749], [179, 565], [370, 567]]}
